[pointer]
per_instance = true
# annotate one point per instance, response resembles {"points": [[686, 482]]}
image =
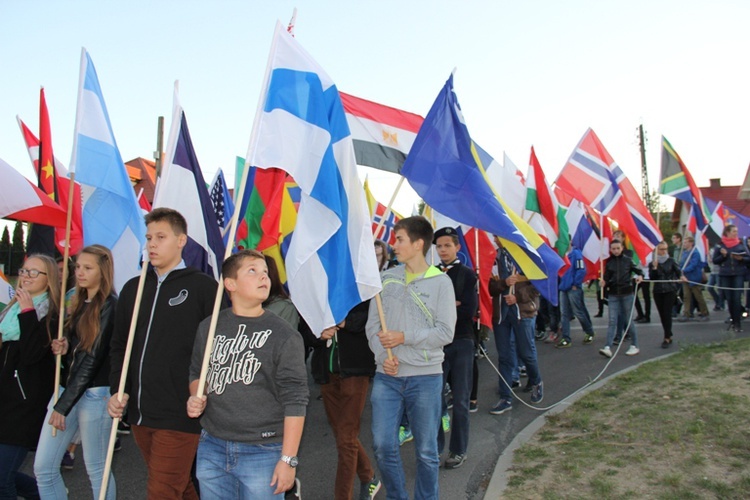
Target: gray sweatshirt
{"points": [[425, 310], [256, 377]]}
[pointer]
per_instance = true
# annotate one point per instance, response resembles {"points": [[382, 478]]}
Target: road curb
{"points": [[499, 480]]}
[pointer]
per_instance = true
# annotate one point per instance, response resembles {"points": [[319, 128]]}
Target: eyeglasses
{"points": [[31, 273]]}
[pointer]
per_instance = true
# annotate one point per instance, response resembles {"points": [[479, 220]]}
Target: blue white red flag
{"points": [[111, 215], [300, 127], [182, 188], [222, 202]]}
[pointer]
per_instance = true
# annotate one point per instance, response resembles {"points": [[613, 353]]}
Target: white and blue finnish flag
{"points": [[300, 127]]}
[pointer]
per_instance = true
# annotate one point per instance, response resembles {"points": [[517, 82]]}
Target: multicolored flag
{"points": [[22, 200], [111, 215], [676, 181], [446, 168], [377, 212], [582, 233], [541, 199], [592, 176], [222, 202], [718, 218], [182, 187], [6, 291], [300, 127], [382, 135]]}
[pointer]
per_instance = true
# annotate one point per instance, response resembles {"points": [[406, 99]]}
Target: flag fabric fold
{"points": [[111, 215], [21, 200], [301, 127], [183, 188], [592, 176], [382, 135], [222, 203], [676, 181], [541, 199], [446, 169]]}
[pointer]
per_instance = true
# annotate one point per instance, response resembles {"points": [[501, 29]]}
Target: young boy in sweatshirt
{"points": [[420, 312], [176, 298], [256, 391]]}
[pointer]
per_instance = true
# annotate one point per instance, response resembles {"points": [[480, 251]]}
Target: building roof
{"points": [[142, 174], [729, 195]]}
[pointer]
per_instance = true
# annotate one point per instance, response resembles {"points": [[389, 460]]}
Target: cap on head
{"points": [[445, 231]]}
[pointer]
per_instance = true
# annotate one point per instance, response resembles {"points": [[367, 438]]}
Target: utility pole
{"points": [[159, 153], [644, 170]]}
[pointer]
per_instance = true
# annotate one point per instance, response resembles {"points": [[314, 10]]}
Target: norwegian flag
{"points": [[386, 232], [593, 177]]}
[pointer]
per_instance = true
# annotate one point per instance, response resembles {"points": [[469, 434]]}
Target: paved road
{"points": [[564, 371]]}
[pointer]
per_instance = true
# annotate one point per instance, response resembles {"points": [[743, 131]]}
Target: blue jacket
{"points": [[693, 269], [576, 273]]}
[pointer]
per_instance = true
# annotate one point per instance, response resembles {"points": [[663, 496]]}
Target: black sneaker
{"points": [[454, 461], [295, 492], [502, 406], [367, 491], [123, 428]]}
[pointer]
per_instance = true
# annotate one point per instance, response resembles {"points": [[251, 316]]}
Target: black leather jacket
{"points": [[618, 274], [88, 369]]}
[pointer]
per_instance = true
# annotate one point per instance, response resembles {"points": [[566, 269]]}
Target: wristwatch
{"points": [[290, 461]]}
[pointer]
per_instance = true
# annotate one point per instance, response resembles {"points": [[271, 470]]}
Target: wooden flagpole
{"points": [[378, 299], [601, 254], [66, 256], [124, 374]]}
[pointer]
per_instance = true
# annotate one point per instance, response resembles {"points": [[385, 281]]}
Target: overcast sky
{"points": [[528, 73]]}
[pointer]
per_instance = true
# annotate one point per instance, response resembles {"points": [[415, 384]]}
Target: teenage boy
{"points": [[459, 354], [420, 312], [175, 300], [515, 304], [253, 412], [618, 279]]}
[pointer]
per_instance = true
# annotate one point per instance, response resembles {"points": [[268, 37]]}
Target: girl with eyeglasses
{"points": [[84, 394], [27, 369]]}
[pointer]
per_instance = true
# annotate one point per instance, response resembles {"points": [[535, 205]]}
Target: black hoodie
{"points": [[168, 319]]}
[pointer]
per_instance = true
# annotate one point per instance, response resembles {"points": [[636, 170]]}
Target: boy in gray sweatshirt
{"points": [[256, 389], [420, 313]]}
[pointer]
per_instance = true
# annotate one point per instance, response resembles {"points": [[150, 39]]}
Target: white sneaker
{"points": [[606, 351], [632, 351]]}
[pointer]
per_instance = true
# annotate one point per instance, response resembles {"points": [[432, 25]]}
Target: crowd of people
{"points": [[243, 402]]}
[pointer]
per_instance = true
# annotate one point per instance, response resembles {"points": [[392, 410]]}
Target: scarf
{"points": [[661, 259], [445, 267], [9, 325], [730, 242]]}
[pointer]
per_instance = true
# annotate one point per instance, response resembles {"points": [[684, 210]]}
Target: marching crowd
{"points": [[234, 430]]}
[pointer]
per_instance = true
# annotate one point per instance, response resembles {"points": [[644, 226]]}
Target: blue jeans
{"points": [[620, 311], [229, 469], [458, 366], [14, 484], [571, 303], [525, 347], [89, 415], [420, 397], [734, 297]]}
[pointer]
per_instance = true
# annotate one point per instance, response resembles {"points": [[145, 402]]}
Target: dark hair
{"points": [[71, 282], [232, 264], [727, 229], [678, 235], [417, 228], [175, 219], [615, 241], [277, 287], [384, 259], [453, 237], [87, 319]]}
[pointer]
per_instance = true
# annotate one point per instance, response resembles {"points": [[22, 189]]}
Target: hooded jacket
{"points": [[157, 379], [425, 310]]}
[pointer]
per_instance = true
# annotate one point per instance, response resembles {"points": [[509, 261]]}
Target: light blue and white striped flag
{"points": [[111, 215], [300, 127]]}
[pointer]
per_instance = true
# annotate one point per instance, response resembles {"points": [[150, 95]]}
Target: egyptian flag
{"points": [[382, 135]]}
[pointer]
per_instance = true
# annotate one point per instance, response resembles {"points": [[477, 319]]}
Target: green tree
{"points": [[5, 249], [18, 248]]}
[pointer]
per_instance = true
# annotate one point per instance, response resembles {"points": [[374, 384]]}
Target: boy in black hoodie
{"points": [[175, 300]]}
